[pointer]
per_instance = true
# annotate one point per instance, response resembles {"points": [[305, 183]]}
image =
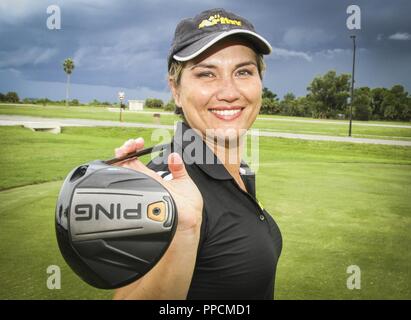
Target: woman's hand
{"points": [[185, 193]]}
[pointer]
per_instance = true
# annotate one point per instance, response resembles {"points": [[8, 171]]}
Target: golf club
{"points": [[113, 224]]}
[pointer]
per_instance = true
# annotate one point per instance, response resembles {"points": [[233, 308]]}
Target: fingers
{"points": [[176, 166], [133, 145], [175, 163], [129, 146]]}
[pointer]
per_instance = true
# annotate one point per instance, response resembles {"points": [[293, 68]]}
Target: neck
{"points": [[228, 152]]}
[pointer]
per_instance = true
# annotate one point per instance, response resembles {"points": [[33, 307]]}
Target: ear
{"points": [[175, 91]]}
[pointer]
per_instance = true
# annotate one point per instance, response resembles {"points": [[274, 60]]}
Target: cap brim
{"points": [[196, 48]]}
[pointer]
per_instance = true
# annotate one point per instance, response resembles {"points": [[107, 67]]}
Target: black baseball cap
{"points": [[195, 35]]}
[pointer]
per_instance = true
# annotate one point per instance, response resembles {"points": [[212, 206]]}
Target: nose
{"points": [[228, 90]]}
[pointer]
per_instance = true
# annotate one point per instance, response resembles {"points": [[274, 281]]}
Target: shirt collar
{"points": [[188, 142]]}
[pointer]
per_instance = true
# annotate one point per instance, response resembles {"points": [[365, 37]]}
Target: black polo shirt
{"points": [[240, 243]]}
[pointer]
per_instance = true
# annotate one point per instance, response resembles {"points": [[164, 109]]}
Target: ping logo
{"points": [[214, 19], [86, 212]]}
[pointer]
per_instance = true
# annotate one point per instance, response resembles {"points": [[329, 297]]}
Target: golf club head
{"points": [[113, 224]]}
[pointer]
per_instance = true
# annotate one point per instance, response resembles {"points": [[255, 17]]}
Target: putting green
{"points": [[28, 247]]}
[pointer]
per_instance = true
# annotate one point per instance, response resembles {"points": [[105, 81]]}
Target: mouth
{"points": [[226, 113]]}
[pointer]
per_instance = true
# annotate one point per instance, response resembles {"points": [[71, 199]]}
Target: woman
{"points": [[226, 246]]}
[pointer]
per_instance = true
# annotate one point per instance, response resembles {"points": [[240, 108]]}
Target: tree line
{"points": [[13, 97], [328, 98]]}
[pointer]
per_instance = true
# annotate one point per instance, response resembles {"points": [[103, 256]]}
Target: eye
{"points": [[244, 73], [205, 74]]}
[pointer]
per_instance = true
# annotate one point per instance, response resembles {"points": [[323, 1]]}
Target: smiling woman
{"points": [[176, 69], [226, 245], [206, 71], [221, 88]]}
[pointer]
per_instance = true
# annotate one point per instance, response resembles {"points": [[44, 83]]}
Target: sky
{"points": [[123, 45]]}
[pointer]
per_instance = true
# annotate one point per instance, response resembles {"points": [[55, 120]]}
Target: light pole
{"points": [[121, 96], [352, 84]]}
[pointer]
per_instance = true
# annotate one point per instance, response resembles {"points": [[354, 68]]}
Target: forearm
{"points": [[170, 278]]}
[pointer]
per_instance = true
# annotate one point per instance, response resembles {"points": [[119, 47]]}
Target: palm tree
{"points": [[68, 67]]}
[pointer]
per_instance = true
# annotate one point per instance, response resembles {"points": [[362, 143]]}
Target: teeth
{"points": [[226, 112]]}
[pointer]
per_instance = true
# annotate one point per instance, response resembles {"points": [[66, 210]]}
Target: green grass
{"points": [[359, 131], [287, 124], [337, 204], [291, 118], [34, 157], [336, 215], [29, 247], [95, 113]]}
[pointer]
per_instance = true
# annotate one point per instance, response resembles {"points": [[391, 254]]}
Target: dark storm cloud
{"points": [[125, 43]]}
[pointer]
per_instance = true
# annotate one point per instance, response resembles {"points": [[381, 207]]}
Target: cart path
{"points": [[13, 120]]}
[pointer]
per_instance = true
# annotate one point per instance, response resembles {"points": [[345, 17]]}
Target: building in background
{"points": [[135, 105]]}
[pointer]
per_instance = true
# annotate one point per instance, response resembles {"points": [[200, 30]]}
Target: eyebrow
{"points": [[212, 66]]}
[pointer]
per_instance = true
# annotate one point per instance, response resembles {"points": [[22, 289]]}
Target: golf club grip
{"points": [[136, 154]]}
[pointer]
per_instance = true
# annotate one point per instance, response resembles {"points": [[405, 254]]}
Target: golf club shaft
{"points": [[136, 154]]}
